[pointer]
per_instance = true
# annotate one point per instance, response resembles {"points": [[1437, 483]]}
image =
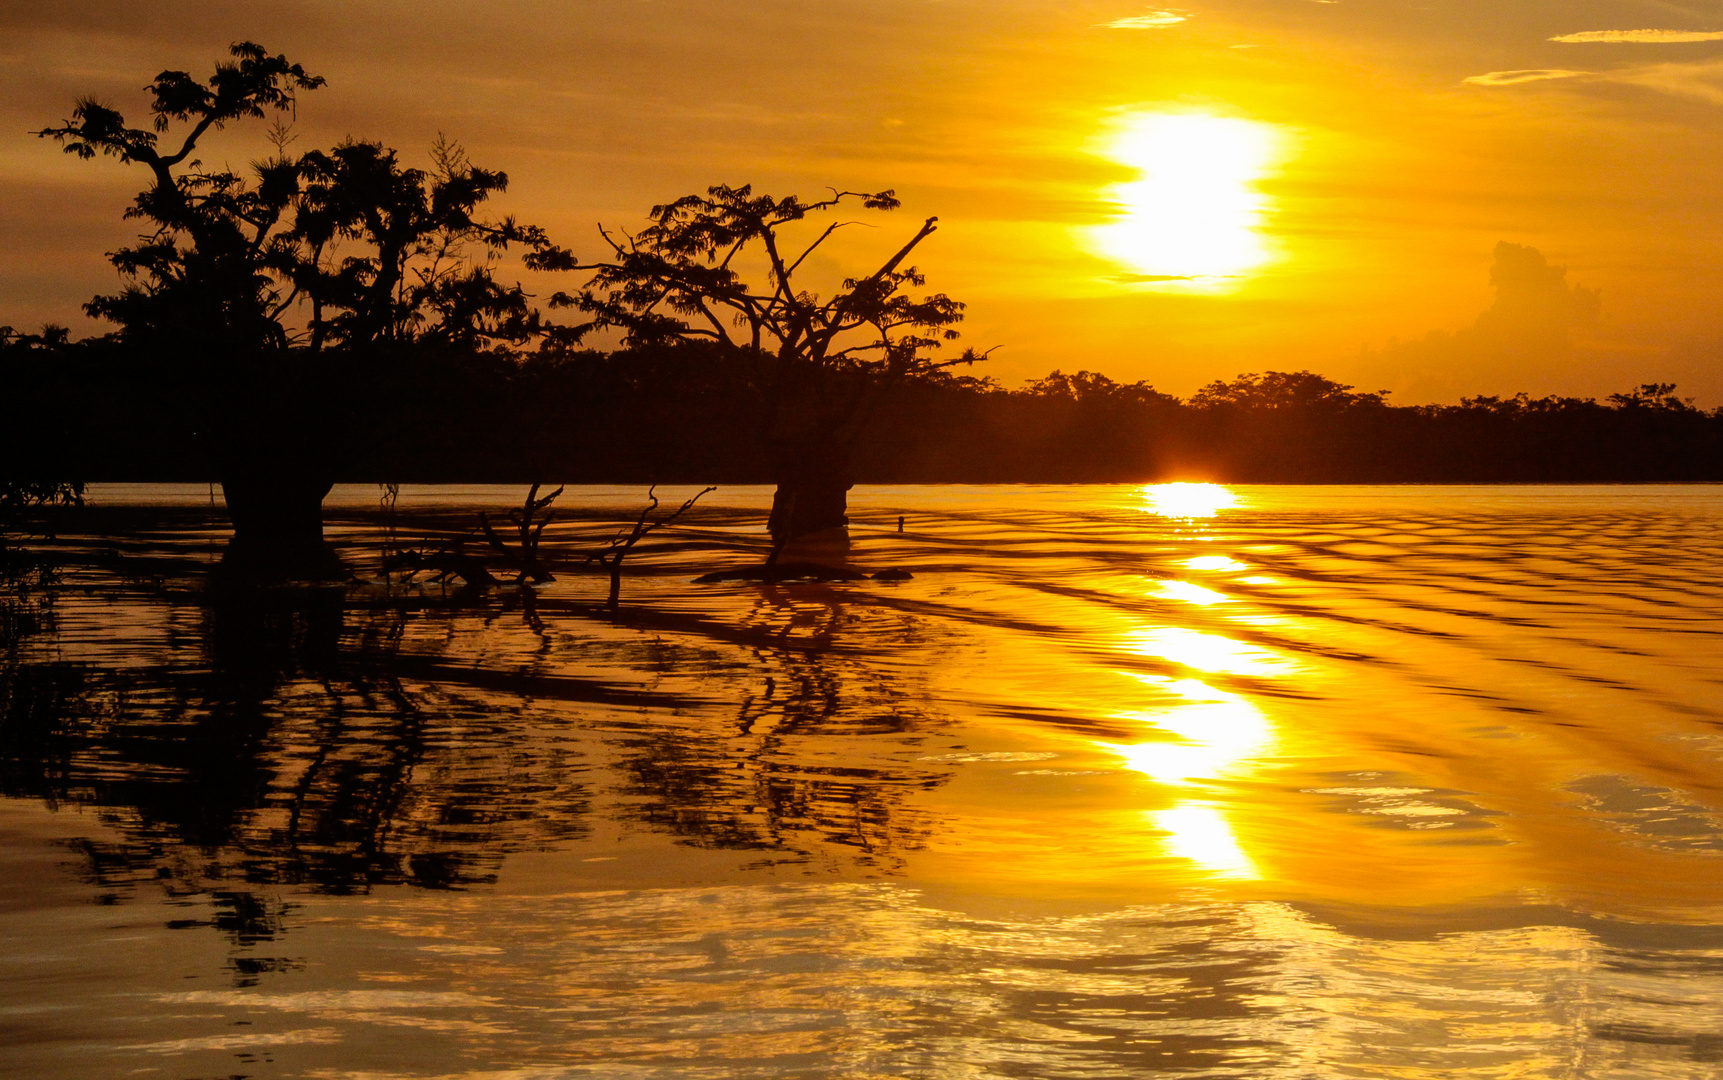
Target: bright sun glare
{"points": [[1189, 593], [1194, 214], [1188, 500], [1216, 735], [1214, 562]]}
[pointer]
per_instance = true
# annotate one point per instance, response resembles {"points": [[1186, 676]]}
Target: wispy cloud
{"points": [[1509, 78], [1153, 20], [1702, 81], [1653, 37], [1699, 81]]}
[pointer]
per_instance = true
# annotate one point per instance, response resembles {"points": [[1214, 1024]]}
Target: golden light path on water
{"points": [[1179, 712], [1239, 692], [1215, 735], [1194, 216]]}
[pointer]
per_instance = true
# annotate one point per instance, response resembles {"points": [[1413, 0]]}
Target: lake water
{"points": [[1347, 782]]}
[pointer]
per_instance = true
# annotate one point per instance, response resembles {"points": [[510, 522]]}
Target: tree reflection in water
{"points": [[342, 737], [762, 778]]}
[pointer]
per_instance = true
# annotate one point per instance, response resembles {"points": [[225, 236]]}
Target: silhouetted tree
{"points": [[205, 289], [381, 255], [387, 253], [1659, 397], [201, 275], [824, 359]]}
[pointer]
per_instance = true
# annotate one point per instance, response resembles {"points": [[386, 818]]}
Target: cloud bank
{"points": [[1509, 78], [1641, 36]]}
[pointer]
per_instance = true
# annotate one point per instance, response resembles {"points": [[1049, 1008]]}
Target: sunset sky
{"points": [[1167, 193]]}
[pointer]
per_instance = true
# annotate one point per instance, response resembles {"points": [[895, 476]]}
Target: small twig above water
{"points": [[523, 558], [611, 555]]}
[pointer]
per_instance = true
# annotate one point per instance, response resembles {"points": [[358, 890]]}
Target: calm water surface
{"points": [[1327, 783]]}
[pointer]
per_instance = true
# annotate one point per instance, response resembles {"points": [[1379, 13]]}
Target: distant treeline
{"points": [[97, 410]]}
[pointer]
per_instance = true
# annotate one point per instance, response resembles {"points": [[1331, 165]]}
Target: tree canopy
{"points": [[207, 267], [1284, 390], [678, 280], [344, 247], [387, 253]]}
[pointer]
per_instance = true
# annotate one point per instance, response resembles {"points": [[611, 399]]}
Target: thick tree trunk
{"points": [[278, 525], [809, 519], [276, 435], [805, 505], [276, 509]]}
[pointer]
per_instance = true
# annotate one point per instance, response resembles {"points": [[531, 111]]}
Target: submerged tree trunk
{"points": [[278, 525], [277, 436], [809, 519]]}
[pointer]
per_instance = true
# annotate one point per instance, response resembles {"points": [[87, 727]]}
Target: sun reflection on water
{"points": [[1182, 500], [1189, 593], [1216, 736], [1216, 732], [1202, 834], [1204, 652], [1215, 562]]}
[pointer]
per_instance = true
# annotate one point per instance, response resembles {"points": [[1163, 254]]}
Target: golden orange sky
{"points": [[1335, 173]]}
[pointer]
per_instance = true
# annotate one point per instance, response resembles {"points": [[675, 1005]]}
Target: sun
{"points": [[1195, 214]]}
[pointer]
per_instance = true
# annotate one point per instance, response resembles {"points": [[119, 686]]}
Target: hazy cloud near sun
{"points": [[1510, 78], [1152, 20], [1651, 37]]}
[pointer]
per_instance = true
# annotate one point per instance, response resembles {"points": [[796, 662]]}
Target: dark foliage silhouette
{"points": [[267, 306], [385, 252], [820, 363], [205, 299], [202, 274], [681, 414]]}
